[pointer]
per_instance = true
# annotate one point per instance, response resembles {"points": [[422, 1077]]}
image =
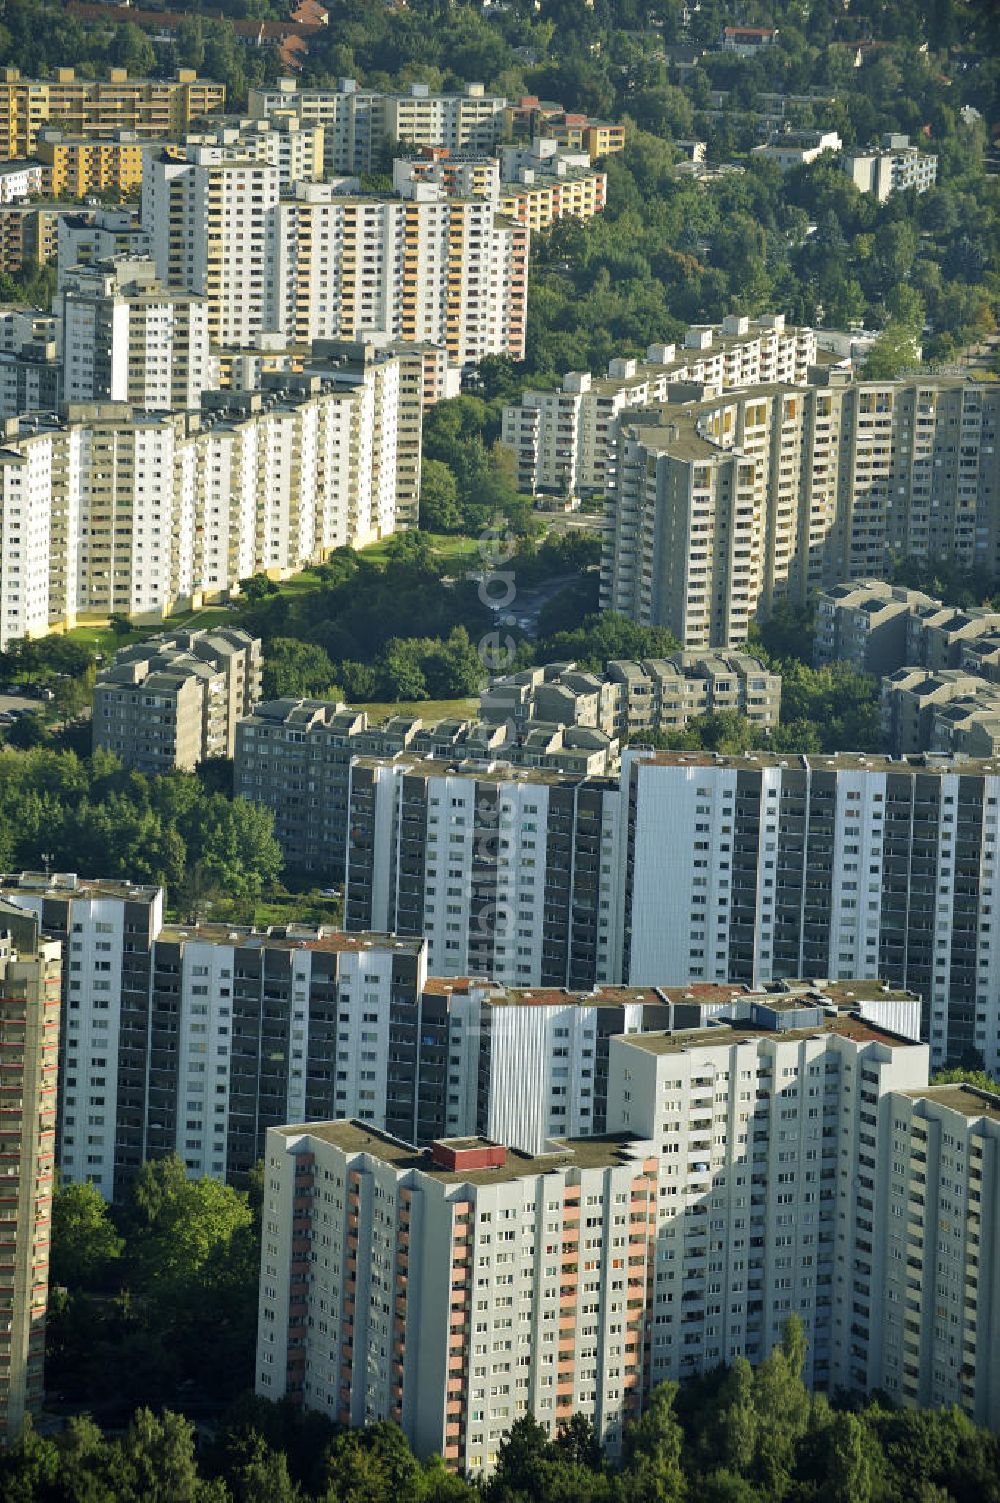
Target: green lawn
{"points": [[427, 709], [107, 641]]}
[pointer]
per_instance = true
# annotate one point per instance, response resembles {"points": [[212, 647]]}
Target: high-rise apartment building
{"points": [[155, 109], [85, 237], [288, 142], [209, 220], [755, 1217], [746, 1178], [144, 513], [508, 872], [125, 338], [563, 440], [175, 701], [435, 269], [430, 1301], [194, 1039], [938, 1283], [319, 263], [30, 969], [360, 124], [753, 868], [719, 509]]}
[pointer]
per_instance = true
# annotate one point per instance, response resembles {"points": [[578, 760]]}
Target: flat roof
{"points": [[856, 1029], [834, 762], [289, 937], [488, 769], [959, 1097], [59, 885], [352, 1136]]}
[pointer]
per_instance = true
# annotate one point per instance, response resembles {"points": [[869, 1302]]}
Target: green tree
{"points": [[234, 842], [85, 1245], [892, 353], [439, 508], [176, 1225], [296, 669], [652, 1471]]}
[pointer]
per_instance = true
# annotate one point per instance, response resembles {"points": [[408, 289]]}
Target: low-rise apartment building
{"points": [[891, 168], [634, 698], [175, 701], [864, 623], [97, 108], [948, 711]]}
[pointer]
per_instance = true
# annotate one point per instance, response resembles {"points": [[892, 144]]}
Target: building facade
{"points": [[428, 269], [507, 872], [175, 701], [125, 338], [30, 971], [753, 868], [563, 440], [719, 509], [97, 108], [359, 124], [758, 1171], [145, 513]]}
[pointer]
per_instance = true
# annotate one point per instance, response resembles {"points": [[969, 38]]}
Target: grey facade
{"points": [[175, 701]]}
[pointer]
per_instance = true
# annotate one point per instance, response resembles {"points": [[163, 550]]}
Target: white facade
{"points": [[358, 124], [126, 339], [757, 868], [939, 1290], [756, 1219], [19, 180], [210, 225], [434, 269], [137, 511], [26, 530], [367, 1329], [719, 508], [563, 440]]}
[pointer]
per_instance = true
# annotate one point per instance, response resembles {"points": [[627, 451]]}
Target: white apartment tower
{"points": [[429, 269], [209, 220], [760, 867], [939, 1289], [127, 339], [756, 1218], [429, 1299]]}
